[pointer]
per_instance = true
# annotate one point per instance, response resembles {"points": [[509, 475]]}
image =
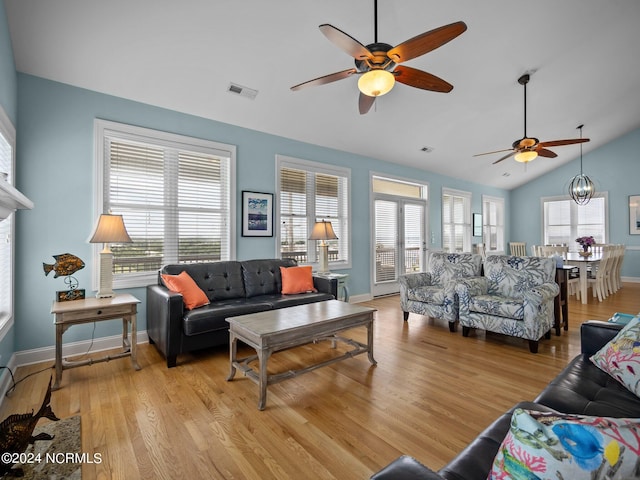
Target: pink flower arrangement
{"points": [[586, 241]]}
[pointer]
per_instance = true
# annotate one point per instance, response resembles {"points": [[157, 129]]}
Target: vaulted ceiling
{"points": [[184, 55]]}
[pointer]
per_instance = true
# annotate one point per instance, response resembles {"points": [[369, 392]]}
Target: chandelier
{"points": [[581, 187]]}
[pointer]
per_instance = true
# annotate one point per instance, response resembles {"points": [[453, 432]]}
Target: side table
{"points": [[90, 310], [343, 289]]}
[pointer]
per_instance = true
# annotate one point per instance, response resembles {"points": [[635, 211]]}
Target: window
{"points": [[565, 220], [493, 223], [175, 193], [456, 220], [309, 192], [7, 155]]}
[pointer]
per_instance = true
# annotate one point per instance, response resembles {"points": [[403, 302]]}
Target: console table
{"points": [[90, 310]]}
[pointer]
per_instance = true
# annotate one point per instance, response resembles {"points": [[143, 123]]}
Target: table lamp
{"points": [[323, 231], [109, 229]]}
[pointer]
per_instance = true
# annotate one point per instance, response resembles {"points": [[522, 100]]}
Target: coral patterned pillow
{"points": [[562, 446], [297, 279], [620, 358], [192, 294]]}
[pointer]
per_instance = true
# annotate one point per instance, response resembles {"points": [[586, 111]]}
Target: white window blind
{"points": [[456, 221], [564, 220], [7, 151], [308, 193], [176, 197], [493, 223]]}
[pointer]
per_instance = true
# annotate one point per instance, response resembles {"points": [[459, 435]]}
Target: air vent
{"points": [[242, 91]]}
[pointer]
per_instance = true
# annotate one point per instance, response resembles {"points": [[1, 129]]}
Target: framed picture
{"points": [[634, 214], [257, 214], [477, 224]]}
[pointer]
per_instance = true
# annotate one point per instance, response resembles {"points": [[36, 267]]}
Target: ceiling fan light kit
{"points": [[526, 156], [375, 83], [581, 187], [378, 63]]}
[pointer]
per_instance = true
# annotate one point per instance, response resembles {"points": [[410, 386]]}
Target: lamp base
{"points": [[323, 265], [105, 286]]}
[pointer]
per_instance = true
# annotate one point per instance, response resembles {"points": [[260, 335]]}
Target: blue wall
{"points": [[9, 102], [615, 168], [55, 151]]}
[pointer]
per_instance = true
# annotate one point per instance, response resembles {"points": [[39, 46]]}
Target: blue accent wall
{"points": [[614, 168], [9, 102], [55, 151]]}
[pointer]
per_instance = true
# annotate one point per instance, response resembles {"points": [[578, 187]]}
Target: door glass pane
{"points": [[413, 237], [386, 235]]}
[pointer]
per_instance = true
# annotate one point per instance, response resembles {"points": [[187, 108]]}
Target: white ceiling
{"points": [[183, 56]]}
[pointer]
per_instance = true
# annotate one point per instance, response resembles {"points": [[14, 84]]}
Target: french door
{"points": [[399, 239]]}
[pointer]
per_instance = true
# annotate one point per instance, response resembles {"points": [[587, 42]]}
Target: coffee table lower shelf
{"points": [[275, 331]]}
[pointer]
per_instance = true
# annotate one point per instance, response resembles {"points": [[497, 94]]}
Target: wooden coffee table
{"points": [[274, 330]]}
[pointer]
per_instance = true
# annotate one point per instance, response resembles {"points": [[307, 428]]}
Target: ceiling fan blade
{"points": [[333, 77], [543, 152], [558, 143], [345, 42], [419, 79], [495, 151], [365, 102], [426, 42], [505, 157]]}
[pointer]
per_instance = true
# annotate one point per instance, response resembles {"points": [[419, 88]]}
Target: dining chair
{"points": [[518, 249], [600, 280]]}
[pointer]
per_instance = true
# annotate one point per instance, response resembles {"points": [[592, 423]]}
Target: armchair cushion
{"points": [[497, 305], [428, 294]]}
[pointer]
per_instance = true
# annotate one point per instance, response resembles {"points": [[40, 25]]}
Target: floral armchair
{"points": [[515, 297], [432, 293]]}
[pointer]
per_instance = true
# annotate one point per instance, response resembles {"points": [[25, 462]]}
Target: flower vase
{"points": [[585, 251]]}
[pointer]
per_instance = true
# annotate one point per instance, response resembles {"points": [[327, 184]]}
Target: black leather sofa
{"points": [[233, 288], [581, 388]]}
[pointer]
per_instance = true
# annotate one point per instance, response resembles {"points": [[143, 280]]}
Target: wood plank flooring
{"points": [[431, 393]]}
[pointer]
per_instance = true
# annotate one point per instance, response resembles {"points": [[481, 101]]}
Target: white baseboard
{"points": [[365, 297], [5, 377], [630, 279], [37, 355]]}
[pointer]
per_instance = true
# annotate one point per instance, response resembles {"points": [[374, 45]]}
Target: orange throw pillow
{"points": [[192, 294], [297, 279]]}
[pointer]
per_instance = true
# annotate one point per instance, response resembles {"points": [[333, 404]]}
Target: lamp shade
{"points": [[376, 82], [110, 229], [323, 231], [526, 156]]}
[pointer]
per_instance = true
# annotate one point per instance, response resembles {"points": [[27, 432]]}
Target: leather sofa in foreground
{"points": [[233, 288], [581, 388]]}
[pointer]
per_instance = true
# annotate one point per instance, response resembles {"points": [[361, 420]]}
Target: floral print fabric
{"points": [[620, 358], [552, 446], [433, 293], [515, 297]]}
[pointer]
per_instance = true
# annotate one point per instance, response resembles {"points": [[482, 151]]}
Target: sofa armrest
{"points": [[326, 285], [406, 468], [165, 310], [595, 334]]}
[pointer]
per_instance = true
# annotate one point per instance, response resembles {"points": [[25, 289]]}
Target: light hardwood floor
{"points": [[430, 394]]}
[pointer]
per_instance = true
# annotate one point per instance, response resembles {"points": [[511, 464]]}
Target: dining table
{"points": [[574, 258]]}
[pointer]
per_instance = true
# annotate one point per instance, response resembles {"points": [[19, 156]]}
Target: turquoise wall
{"points": [[614, 168], [9, 102], [55, 151]]}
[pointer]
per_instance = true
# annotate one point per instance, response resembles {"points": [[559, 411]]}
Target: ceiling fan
{"points": [[377, 63], [528, 148]]}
